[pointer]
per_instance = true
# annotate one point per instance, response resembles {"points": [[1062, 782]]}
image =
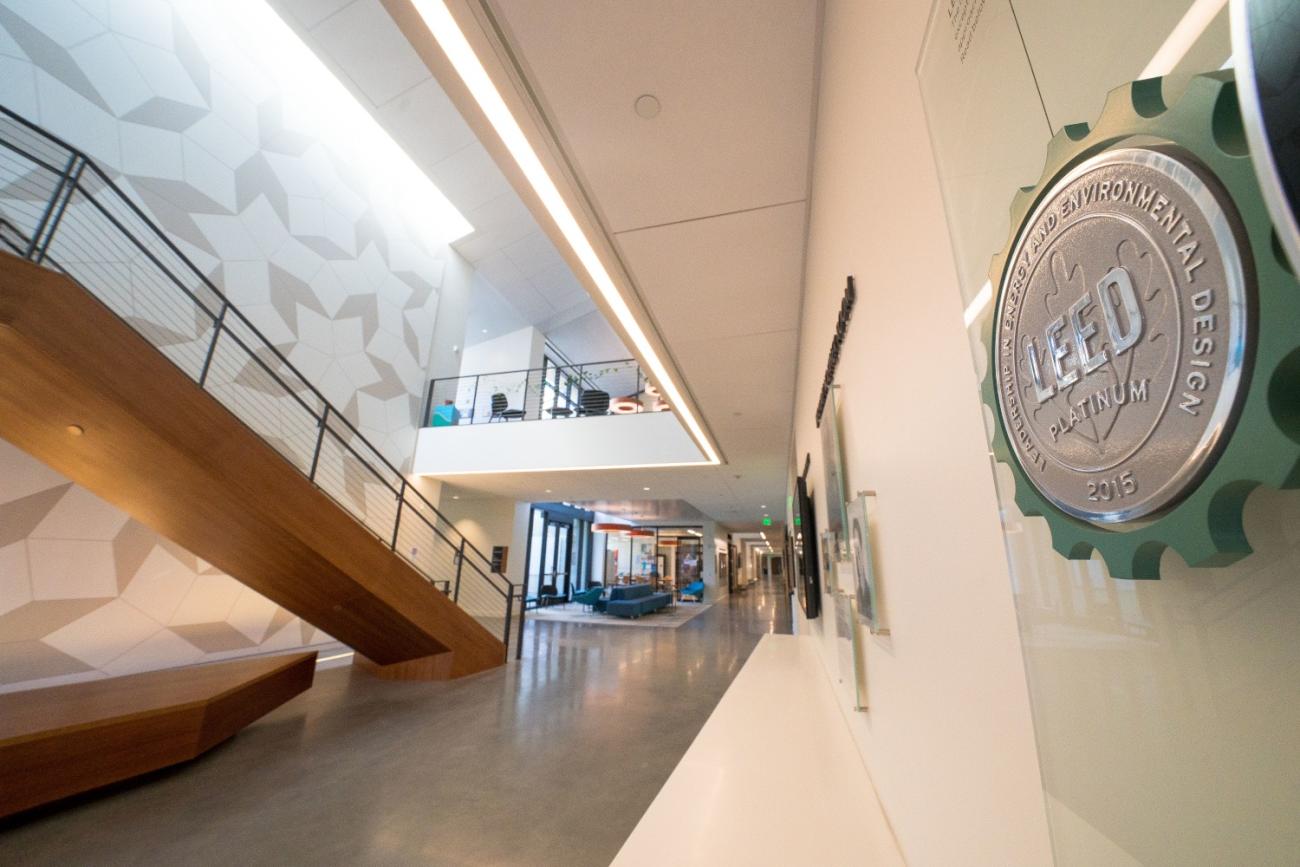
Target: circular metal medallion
{"points": [[1121, 334]]}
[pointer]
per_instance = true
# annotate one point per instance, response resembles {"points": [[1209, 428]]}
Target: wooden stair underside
{"points": [[161, 449]]}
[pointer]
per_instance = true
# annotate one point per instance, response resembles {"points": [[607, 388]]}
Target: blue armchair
{"points": [[695, 590], [588, 597]]}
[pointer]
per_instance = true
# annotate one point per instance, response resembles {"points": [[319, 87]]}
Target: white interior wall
{"points": [[454, 303], [948, 740], [485, 522], [715, 541], [587, 339], [523, 513], [521, 349]]}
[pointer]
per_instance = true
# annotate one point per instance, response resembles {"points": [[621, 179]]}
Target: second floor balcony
{"points": [[552, 391], [602, 415]]}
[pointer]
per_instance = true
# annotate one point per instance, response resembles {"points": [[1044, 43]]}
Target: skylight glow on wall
{"points": [[308, 89]]}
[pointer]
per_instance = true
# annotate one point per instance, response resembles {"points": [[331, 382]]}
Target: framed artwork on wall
{"points": [[864, 571], [833, 469]]}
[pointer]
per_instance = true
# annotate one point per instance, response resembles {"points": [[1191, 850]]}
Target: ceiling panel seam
{"points": [[711, 216], [715, 338]]}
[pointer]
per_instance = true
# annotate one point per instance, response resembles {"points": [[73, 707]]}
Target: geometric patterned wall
{"points": [[280, 211], [274, 203], [86, 591]]}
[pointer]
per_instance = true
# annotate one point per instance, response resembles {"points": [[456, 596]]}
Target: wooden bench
{"points": [[64, 740]]}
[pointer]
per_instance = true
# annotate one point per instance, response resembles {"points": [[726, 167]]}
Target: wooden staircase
{"points": [[85, 393]]}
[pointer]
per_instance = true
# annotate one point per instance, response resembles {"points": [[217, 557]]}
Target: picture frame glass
{"points": [[833, 469], [828, 551], [864, 575]]}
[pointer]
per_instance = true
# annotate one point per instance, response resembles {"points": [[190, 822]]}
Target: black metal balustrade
{"points": [[61, 210], [549, 392]]}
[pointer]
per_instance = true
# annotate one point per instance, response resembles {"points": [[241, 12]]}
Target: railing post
{"points": [[525, 406], [320, 439], [427, 419], [510, 607], [460, 564], [397, 522], [44, 232], [473, 403], [523, 607], [212, 347], [640, 407]]}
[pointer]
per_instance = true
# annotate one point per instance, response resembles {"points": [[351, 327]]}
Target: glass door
{"points": [[557, 550]]}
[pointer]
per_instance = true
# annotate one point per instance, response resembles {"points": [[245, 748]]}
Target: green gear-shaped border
{"points": [[1206, 527]]}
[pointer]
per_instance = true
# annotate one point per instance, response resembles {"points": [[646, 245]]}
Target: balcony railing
{"points": [[61, 210], [549, 392]]}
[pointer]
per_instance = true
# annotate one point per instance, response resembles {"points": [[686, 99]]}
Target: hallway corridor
{"points": [[551, 760]]}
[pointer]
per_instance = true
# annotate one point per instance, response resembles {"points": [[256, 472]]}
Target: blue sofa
{"points": [[633, 600]]}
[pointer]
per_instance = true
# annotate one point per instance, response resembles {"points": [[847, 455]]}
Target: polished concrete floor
{"points": [[551, 760]]}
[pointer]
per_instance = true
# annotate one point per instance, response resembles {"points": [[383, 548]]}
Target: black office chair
{"points": [[593, 402], [501, 409]]}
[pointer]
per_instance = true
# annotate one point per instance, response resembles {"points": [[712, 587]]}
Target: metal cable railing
{"points": [[61, 210], [554, 391]]}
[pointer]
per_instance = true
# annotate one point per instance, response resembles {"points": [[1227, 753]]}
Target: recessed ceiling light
{"points": [[548, 490], [485, 331], [647, 106], [455, 496], [77, 430], [645, 489]]}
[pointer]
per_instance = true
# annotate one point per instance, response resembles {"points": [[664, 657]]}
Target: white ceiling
{"points": [[358, 40], [706, 202], [734, 79], [643, 511]]}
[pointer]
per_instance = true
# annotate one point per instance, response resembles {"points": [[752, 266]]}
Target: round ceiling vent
{"points": [[647, 105]]}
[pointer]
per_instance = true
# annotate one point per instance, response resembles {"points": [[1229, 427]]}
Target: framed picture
{"points": [[833, 468], [864, 572], [828, 551]]}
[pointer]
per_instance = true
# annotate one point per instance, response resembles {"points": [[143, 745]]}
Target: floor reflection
{"points": [[551, 760]]}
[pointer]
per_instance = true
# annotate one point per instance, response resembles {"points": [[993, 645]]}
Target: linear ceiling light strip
{"points": [[448, 34]]}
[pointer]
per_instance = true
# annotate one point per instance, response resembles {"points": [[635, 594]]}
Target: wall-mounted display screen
{"points": [[809, 586]]}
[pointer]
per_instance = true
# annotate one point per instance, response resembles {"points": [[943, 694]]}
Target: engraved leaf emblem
{"points": [[1154, 297]]}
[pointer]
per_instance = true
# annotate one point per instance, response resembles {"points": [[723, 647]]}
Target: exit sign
{"points": [[767, 522]]}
